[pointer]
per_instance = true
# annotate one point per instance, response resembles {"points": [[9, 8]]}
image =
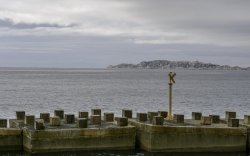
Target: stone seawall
{"points": [[11, 139], [189, 138], [122, 138], [150, 131]]}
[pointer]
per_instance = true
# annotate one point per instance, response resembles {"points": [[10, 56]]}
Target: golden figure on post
{"points": [[171, 81]]}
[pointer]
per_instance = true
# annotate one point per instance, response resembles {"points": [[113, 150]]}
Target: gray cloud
{"points": [[10, 24], [98, 33]]}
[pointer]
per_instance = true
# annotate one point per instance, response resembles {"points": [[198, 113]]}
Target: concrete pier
{"points": [[11, 139], [243, 124], [189, 136], [72, 137], [101, 133]]}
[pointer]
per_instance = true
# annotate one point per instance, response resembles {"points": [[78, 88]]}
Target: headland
{"points": [[165, 64]]}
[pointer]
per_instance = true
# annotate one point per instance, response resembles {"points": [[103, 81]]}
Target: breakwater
{"points": [[103, 131]]}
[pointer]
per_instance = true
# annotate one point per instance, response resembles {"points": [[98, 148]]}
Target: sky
{"points": [[98, 33]]}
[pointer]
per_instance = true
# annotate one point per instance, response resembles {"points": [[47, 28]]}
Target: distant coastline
{"points": [[165, 64]]}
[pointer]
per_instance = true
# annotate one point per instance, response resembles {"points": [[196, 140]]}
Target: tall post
{"points": [[171, 81], [170, 101]]}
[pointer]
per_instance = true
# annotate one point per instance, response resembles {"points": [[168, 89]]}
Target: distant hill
{"points": [[164, 64]]}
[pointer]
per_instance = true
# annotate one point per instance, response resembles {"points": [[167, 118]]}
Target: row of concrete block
{"points": [[82, 120], [83, 117], [39, 124], [95, 118], [230, 117], [215, 118], [125, 113], [60, 113]]}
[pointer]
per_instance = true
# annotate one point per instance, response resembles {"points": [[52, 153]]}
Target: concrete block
{"points": [[151, 115], [232, 122], [178, 118], [3, 123], [230, 114], [96, 112], [122, 121], [69, 118], [83, 115], [215, 118], [95, 119], [82, 122], [247, 119], [29, 119], [127, 113], [205, 120], [196, 115], [20, 115], [45, 117], [55, 121], [109, 117], [158, 120], [39, 124], [164, 114], [59, 113], [142, 117]]}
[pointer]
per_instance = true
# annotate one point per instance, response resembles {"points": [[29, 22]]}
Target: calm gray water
{"points": [[36, 90]]}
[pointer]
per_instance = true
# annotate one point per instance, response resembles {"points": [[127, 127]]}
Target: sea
{"points": [[39, 90]]}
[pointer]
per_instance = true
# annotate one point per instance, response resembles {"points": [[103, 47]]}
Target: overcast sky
{"points": [[98, 33]]}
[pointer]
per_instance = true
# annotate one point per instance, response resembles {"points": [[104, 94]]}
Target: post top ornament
{"points": [[171, 77]]}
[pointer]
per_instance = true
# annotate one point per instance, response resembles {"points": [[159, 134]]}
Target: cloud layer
{"points": [[45, 27]]}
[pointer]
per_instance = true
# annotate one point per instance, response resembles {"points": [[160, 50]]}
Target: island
{"points": [[165, 64]]}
